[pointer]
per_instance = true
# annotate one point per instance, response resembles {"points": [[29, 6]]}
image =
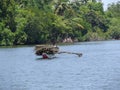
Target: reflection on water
{"points": [[97, 69]]}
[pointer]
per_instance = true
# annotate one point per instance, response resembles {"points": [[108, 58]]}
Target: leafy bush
{"points": [[6, 37]]}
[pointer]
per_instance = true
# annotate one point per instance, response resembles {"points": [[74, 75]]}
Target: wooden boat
{"points": [[48, 51]]}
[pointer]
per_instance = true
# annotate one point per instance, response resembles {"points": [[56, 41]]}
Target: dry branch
{"points": [[79, 54]]}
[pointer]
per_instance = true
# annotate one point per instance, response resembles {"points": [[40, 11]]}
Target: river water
{"points": [[97, 69]]}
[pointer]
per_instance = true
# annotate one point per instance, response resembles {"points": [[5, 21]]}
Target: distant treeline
{"points": [[45, 21]]}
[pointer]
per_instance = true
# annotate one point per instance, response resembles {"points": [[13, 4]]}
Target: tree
{"points": [[7, 14], [113, 14], [6, 37]]}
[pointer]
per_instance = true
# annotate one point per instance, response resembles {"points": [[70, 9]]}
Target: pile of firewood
{"points": [[48, 49]]}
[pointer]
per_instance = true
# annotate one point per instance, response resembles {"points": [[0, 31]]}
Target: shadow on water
{"points": [[42, 59]]}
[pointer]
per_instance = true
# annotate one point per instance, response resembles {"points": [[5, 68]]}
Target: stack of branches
{"points": [[48, 49]]}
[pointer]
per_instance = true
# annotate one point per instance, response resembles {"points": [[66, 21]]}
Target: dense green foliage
{"points": [[45, 21]]}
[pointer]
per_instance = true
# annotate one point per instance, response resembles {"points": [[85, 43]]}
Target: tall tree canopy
{"points": [[42, 21]]}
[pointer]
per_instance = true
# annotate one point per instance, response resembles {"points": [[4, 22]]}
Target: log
{"points": [[79, 54]]}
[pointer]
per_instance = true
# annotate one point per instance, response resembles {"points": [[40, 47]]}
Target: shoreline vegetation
{"points": [[34, 22]]}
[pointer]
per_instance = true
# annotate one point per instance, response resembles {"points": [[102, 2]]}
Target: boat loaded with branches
{"points": [[49, 50]]}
